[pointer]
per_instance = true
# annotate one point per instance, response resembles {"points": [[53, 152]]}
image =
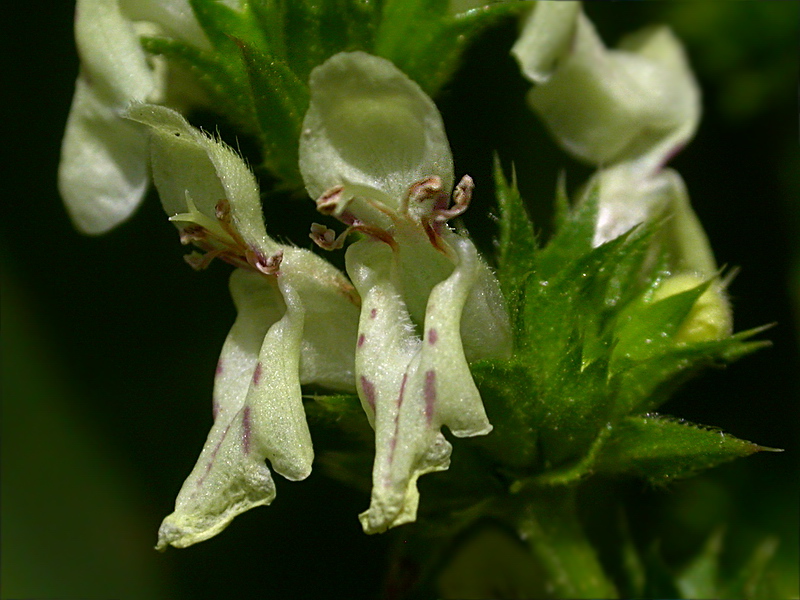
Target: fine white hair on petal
{"points": [[186, 159]]}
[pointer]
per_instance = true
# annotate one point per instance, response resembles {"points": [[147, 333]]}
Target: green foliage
{"points": [[426, 41], [594, 352], [662, 449]]}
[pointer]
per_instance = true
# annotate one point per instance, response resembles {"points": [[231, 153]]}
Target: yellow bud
{"points": [[711, 317]]}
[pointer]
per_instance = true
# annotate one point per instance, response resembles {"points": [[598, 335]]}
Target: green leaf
{"points": [[270, 15], [224, 26], [575, 407], [661, 449], [517, 246], [567, 297], [227, 89], [341, 414], [646, 329], [426, 42], [645, 385], [509, 396], [315, 30], [347, 441], [573, 238], [490, 563], [659, 580], [632, 567], [550, 526], [281, 100]]}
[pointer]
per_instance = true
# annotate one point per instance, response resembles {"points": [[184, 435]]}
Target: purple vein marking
{"points": [[373, 313], [393, 443], [361, 339], [257, 374], [433, 336], [213, 456], [219, 367], [430, 394], [369, 391], [246, 429]]}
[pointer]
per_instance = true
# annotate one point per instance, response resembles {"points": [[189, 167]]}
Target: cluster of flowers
{"points": [[418, 304]]}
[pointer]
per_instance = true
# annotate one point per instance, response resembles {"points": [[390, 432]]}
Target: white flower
{"points": [[296, 324], [626, 110], [103, 174], [375, 155]]}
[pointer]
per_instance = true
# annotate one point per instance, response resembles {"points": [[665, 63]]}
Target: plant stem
{"points": [[549, 524]]}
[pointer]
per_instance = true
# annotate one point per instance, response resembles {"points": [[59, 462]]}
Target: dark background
{"points": [[109, 344]]}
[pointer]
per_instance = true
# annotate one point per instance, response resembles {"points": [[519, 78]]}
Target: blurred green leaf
{"points": [[225, 26], [753, 581]]}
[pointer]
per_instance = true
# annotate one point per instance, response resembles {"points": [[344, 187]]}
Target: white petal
{"points": [[407, 443], [629, 195], [112, 58], [410, 387], [451, 397], [274, 406], [226, 481], [103, 172], [485, 328], [186, 160], [369, 125], [685, 234], [259, 305], [331, 324], [605, 105], [174, 17], [545, 39]]}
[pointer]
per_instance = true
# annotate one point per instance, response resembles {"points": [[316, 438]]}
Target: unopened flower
{"points": [[103, 174], [711, 317], [296, 324], [374, 154]]}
